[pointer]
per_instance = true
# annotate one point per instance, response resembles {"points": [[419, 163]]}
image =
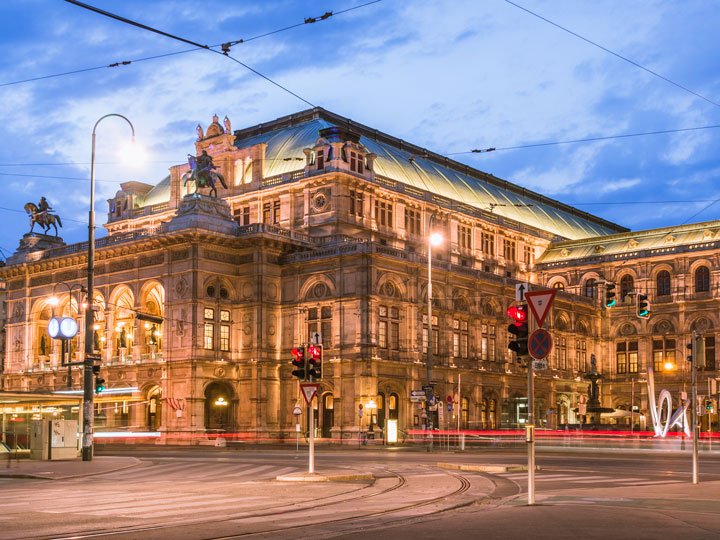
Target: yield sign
{"points": [[309, 390], [540, 302]]}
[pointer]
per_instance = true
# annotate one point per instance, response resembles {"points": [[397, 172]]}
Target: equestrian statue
{"points": [[202, 173], [41, 215]]}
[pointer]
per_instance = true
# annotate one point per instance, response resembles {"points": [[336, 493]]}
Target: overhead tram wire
{"points": [[172, 36], [617, 55], [589, 139], [307, 20]]}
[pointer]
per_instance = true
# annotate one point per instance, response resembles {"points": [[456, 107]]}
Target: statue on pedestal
{"points": [[202, 173], [41, 215]]}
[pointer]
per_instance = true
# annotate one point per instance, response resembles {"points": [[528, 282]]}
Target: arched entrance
{"points": [[153, 416], [328, 415], [218, 400]]}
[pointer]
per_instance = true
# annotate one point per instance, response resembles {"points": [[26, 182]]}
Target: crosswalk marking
{"points": [[575, 479]]}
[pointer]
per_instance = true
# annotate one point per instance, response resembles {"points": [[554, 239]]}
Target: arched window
{"points": [[663, 283], [627, 285], [590, 289], [559, 285], [702, 279]]}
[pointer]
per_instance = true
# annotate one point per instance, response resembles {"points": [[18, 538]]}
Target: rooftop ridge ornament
{"points": [[41, 214]]}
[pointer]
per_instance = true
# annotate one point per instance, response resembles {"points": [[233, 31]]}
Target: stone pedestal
{"points": [[32, 243], [202, 212]]}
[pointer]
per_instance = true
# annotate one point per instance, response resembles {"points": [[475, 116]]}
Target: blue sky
{"points": [[449, 76]]}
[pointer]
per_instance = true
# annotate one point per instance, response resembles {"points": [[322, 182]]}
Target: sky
{"points": [[450, 76]]}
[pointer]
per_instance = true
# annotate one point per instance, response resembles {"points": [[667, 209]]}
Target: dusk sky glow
{"points": [[447, 76]]}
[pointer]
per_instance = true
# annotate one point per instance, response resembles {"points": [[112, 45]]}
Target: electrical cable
{"points": [[129, 62], [589, 139], [621, 57]]}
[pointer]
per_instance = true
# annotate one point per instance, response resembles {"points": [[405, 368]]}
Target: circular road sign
{"points": [[540, 344]]}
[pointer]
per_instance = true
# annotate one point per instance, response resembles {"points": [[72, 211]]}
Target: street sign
{"points": [[433, 400], [309, 390], [449, 399], [520, 290], [417, 395], [297, 410], [316, 338], [449, 406], [540, 302], [540, 364], [95, 357], [540, 344]]}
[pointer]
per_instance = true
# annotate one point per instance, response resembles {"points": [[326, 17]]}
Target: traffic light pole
{"points": [[530, 427], [694, 415], [311, 439]]}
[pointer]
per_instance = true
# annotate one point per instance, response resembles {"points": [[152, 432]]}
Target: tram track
{"points": [[162, 530]]}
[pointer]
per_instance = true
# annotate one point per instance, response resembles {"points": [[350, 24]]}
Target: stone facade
{"points": [[323, 228]]}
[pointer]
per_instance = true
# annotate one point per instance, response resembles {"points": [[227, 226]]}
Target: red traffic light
{"points": [[519, 313]]}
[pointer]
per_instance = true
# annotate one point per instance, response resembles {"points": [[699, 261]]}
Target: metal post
{"points": [[694, 418], [430, 332], [632, 406], [530, 427], [311, 464], [88, 390]]}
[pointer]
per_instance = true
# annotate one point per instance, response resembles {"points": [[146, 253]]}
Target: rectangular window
{"points": [[464, 237], [357, 203], [394, 336], [663, 354], [382, 334], [320, 159], [456, 344], [412, 221], [276, 212], [709, 353], [224, 315], [356, 162], [267, 216], [528, 255], [320, 320], [209, 314], [621, 357], [241, 215], [224, 337], [384, 213], [209, 336], [509, 249], [425, 339], [488, 243], [464, 345]]}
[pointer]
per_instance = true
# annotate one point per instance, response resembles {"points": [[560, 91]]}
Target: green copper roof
{"points": [[400, 161], [652, 241]]}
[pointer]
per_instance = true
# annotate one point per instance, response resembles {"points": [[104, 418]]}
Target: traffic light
{"points": [[699, 352], [315, 362], [518, 331], [709, 406], [301, 367], [610, 299], [642, 307], [99, 381]]}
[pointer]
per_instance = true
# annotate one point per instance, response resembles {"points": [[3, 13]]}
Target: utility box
{"points": [[54, 439]]}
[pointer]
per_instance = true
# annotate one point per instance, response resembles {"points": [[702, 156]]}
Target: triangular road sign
{"points": [[540, 302], [309, 390]]}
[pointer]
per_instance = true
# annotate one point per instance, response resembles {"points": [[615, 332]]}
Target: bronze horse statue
{"points": [[201, 173], [42, 218]]}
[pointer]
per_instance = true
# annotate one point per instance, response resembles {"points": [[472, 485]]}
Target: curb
{"points": [[135, 463], [315, 477], [485, 468]]}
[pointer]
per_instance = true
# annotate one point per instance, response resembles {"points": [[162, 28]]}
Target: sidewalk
{"points": [[61, 470]]}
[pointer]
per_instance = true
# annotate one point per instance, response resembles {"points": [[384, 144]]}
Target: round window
{"points": [[211, 290]]}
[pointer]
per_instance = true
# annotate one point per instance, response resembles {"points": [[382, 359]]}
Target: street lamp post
{"points": [[434, 239], [88, 390]]}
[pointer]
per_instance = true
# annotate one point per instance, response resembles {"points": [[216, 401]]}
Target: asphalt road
{"points": [[211, 494]]}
